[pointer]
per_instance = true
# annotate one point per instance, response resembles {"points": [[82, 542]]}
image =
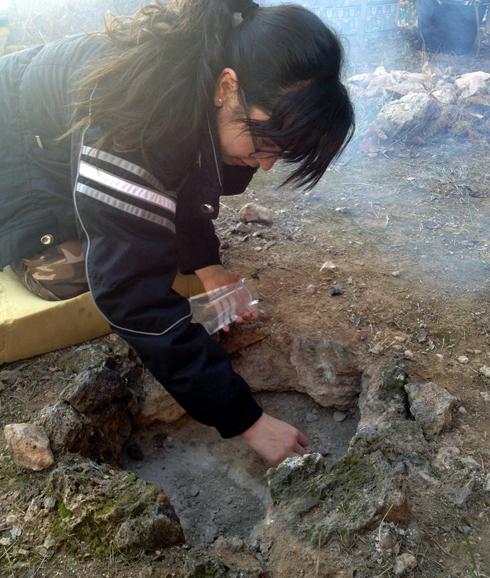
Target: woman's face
{"points": [[236, 141]]}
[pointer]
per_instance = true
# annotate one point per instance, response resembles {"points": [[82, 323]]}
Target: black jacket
{"points": [[137, 232]]}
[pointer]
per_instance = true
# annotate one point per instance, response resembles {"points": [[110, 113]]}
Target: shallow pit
{"points": [[218, 487]]}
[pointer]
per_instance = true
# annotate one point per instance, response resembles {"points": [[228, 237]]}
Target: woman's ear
{"points": [[226, 87]]}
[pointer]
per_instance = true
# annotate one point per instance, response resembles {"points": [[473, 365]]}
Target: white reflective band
{"points": [[126, 207], [104, 178], [127, 166]]}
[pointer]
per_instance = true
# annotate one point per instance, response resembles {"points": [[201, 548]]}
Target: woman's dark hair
{"points": [[158, 80]]}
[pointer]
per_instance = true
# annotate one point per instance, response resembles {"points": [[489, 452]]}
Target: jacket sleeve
{"points": [[128, 221]]}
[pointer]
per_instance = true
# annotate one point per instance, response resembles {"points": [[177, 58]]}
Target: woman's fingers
{"points": [[303, 440]]}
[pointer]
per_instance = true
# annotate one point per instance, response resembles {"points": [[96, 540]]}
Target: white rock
{"points": [[29, 446], [404, 564], [409, 114], [253, 213], [377, 349], [485, 395], [395, 273], [407, 354], [485, 371], [445, 94], [463, 359], [328, 266], [472, 83]]}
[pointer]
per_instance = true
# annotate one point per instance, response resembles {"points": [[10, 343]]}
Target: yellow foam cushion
{"points": [[30, 325]]}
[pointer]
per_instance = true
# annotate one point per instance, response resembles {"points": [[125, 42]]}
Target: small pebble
{"points": [[396, 274], [336, 291], [342, 210], [243, 228], [328, 266], [485, 371], [421, 335], [463, 359], [311, 417], [339, 416], [440, 356], [462, 410], [404, 564], [407, 354], [485, 395], [311, 290], [376, 349]]}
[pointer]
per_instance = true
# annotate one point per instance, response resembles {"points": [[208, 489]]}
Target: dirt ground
{"points": [[408, 232]]}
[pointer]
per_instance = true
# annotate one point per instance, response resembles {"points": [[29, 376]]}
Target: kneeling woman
{"points": [[159, 116]]}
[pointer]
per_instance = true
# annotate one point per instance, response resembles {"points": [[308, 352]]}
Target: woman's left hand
{"points": [[216, 276]]}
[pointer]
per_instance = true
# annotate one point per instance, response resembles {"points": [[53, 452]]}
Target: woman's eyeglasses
{"points": [[258, 154]]}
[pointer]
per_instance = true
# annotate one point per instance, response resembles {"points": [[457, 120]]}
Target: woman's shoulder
{"points": [[72, 51]]}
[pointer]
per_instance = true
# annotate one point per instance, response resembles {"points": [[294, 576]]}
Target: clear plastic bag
{"points": [[222, 306]]}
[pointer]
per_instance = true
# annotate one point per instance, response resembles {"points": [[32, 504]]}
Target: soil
{"points": [[218, 487], [410, 243]]}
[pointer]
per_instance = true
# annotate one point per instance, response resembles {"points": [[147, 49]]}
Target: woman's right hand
{"points": [[275, 440]]}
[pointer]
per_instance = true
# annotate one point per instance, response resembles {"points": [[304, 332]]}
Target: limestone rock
{"points": [[445, 94], [327, 371], [409, 114], [473, 83], [157, 405], [404, 564], [29, 446], [253, 213], [431, 405]]}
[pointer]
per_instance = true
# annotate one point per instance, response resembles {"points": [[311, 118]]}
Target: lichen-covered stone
{"points": [[431, 405], [293, 474], [96, 389], [104, 506], [353, 495], [29, 446], [63, 425]]}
